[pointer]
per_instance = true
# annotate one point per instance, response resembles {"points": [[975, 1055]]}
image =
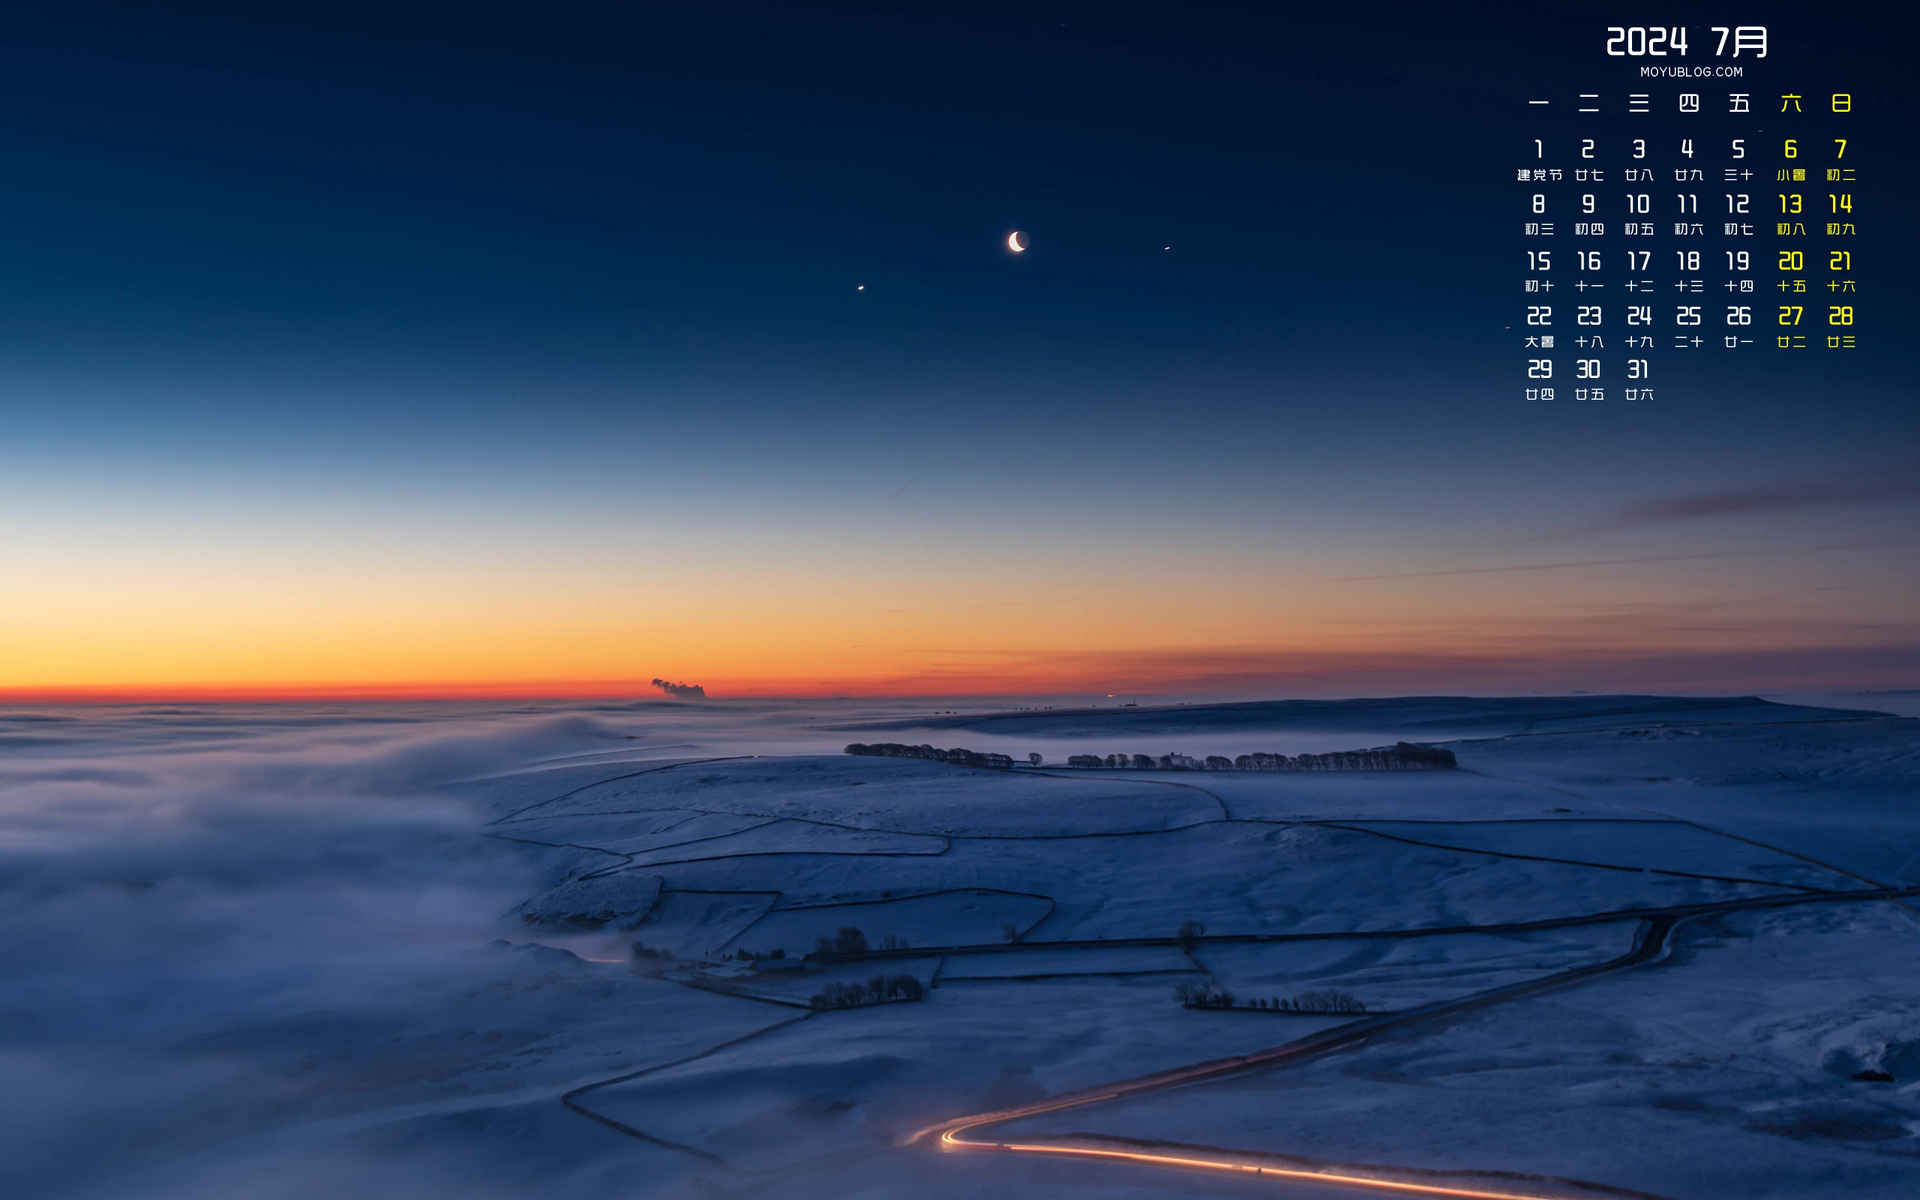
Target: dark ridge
{"points": [[1422, 718]]}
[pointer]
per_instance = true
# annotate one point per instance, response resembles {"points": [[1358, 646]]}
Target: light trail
{"points": [[1648, 945], [950, 1141], [1651, 944]]}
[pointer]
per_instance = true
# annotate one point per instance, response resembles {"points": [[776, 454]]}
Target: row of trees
{"points": [[851, 941], [649, 960], [746, 955], [1325, 1000], [1403, 756], [957, 756], [881, 989]]}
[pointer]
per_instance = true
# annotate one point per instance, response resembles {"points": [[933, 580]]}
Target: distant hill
{"points": [[1414, 717]]}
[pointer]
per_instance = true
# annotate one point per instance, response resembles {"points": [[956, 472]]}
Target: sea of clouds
{"points": [[171, 877]]}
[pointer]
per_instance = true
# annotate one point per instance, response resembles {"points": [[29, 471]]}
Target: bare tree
{"points": [[848, 941]]}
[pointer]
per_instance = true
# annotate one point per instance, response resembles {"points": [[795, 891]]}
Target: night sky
{"points": [[544, 349]]}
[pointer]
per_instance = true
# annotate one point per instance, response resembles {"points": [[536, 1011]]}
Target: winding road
{"points": [[980, 1132], [973, 1133]]}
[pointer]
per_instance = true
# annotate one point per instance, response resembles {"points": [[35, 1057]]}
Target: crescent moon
{"points": [[1016, 241]]}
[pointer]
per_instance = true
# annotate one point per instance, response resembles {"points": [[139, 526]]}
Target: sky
{"points": [[546, 350]]}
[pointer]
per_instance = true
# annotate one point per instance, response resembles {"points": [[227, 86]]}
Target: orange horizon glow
{"points": [[123, 628], [297, 692], [1509, 667]]}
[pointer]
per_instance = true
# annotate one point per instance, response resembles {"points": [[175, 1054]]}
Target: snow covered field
{"points": [[388, 950]]}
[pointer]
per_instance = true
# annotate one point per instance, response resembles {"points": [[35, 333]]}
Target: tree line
{"points": [[957, 756], [1324, 1000], [881, 989], [851, 941], [1403, 756]]}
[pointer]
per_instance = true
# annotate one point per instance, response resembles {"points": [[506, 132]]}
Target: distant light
{"points": [[861, 288], [1166, 247]]}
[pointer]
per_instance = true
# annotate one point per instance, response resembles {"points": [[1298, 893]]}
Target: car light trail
{"points": [[948, 1140]]}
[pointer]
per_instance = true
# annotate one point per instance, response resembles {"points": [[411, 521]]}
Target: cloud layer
{"points": [[1885, 481], [205, 914]]}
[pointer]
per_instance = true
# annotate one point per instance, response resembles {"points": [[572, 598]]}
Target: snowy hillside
{"points": [[1660, 946]]}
